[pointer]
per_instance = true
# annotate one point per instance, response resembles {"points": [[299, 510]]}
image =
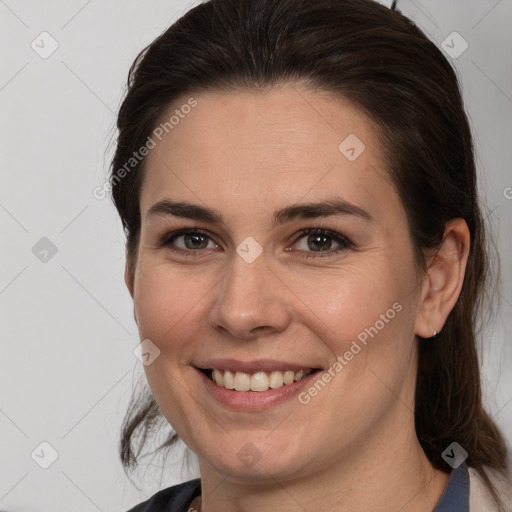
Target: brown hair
{"points": [[381, 62]]}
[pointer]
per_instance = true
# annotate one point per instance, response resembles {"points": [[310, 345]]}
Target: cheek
{"points": [[169, 307], [365, 316], [352, 298], [166, 299], [370, 331]]}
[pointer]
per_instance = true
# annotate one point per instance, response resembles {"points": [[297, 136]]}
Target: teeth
{"points": [[217, 377], [288, 377], [259, 381], [242, 381], [229, 380], [276, 380]]}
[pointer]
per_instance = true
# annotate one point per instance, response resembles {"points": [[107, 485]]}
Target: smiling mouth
{"points": [[258, 381]]}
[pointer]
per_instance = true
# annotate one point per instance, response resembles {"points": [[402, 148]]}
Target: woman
{"points": [[306, 254]]}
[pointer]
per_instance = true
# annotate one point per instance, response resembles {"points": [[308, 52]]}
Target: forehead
{"points": [[260, 149]]}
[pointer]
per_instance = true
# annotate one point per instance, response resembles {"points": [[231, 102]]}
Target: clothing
{"points": [[465, 492], [173, 499], [455, 497]]}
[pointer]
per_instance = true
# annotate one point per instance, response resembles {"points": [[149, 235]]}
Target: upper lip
{"points": [[256, 365]]}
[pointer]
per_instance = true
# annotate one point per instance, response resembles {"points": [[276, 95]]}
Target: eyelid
{"points": [[168, 237], [338, 237], [345, 243]]}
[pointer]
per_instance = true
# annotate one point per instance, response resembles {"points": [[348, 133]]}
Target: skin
{"points": [[353, 446]]}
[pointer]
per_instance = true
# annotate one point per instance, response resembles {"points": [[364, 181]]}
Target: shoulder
{"points": [[480, 498], [173, 499]]}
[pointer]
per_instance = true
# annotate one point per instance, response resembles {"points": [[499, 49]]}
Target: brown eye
{"points": [[188, 241], [194, 241], [319, 240]]}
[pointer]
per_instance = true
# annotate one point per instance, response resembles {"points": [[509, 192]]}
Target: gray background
{"points": [[67, 365]]}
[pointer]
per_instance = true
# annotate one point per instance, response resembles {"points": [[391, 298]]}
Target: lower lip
{"points": [[255, 400]]}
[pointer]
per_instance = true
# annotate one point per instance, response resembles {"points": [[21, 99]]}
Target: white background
{"points": [[67, 330]]}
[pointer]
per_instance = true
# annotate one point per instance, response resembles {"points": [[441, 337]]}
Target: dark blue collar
{"points": [[455, 497]]}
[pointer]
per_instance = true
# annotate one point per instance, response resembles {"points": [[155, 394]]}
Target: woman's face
{"points": [[253, 292]]}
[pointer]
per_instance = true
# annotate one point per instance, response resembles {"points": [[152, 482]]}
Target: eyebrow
{"points": [[327, 208]]}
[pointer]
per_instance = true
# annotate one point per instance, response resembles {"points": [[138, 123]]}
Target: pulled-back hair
{"points": [[381, 62]]}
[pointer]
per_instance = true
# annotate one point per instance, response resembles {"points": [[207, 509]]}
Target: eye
{"points": [[188, 241], [194, 241], [320, 240]]}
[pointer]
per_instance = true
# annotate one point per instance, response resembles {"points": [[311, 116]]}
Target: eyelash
{"points": [[344, 242]]}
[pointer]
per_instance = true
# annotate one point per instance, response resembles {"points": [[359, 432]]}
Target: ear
{"points": [[129, 280], [445, 274]]}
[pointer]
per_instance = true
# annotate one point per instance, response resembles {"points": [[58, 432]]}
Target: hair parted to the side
{"points": [[383, 63]]}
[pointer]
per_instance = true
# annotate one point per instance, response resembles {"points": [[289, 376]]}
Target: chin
{"points": [[251, 465]]}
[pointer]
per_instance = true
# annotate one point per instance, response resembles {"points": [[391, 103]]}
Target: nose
{"points": [[251, 301]]}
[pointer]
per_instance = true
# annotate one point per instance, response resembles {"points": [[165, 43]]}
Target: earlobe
{"points": [[445, 276]]}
